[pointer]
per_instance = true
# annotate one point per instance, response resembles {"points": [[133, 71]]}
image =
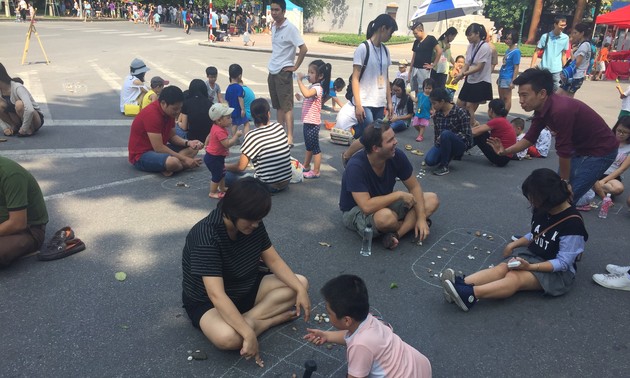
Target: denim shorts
{"points": [[216, 166], [573, 85], [504, 83], [152, 161]]}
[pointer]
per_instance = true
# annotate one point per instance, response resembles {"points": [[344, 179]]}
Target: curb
{"points": [[268, 50]]}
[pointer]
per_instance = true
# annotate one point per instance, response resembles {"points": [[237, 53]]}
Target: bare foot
{"points": [[167, 173], [8, 132]]}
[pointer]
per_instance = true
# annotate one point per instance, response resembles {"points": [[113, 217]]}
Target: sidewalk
{"points": [[316, 49]]}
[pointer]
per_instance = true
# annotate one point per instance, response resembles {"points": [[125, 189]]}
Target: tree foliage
{"points": [[505, 13], [312, 8]]}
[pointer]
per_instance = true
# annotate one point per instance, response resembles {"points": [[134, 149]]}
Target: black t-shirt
{"points": [[424, 51], [199, 123], [548, 244]]}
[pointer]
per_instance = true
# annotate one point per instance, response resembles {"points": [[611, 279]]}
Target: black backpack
{"points": [[349, 94]]}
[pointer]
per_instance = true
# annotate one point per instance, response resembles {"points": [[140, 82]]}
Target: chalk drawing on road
{"points": [[284, 351], [464, 249]]}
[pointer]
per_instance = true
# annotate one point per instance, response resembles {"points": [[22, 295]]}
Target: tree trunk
{"points": [[533, 26], [579, 12], [598, 9]]}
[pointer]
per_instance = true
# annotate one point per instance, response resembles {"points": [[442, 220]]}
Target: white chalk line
{"points": [[34, 85], [108, 76], [66, 153], [96, 187]]}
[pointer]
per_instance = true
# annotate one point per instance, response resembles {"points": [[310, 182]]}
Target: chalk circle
{"points": [[461, 250], [284, 351]]}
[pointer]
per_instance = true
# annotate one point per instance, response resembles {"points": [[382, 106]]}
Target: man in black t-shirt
{"points": [[423, 59]]}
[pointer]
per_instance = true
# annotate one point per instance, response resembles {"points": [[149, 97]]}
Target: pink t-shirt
{"points": [[214, 147], [374, 350], [312, 107]]}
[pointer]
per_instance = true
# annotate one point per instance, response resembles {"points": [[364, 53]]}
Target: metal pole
{"points": [[520, 34], [361, 18]]}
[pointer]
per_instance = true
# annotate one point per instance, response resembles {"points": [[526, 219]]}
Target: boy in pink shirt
{"points": [[374, 350]]}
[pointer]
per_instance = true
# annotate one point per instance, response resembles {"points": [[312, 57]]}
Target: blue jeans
{"points": [[450, 146], [152, 161], [371, 114], [399, 125], [586, 170]]}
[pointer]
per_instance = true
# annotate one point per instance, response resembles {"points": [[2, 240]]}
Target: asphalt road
{"points": [[73, 318]]}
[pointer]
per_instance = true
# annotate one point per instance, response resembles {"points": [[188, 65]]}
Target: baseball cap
{"points": [[157, 81], [219, 110], [403, 62]]}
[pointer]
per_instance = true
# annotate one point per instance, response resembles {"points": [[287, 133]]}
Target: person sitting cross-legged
{"points": [[368, 196]]}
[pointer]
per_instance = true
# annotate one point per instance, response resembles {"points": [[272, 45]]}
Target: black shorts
{"points": [[196, 310]]}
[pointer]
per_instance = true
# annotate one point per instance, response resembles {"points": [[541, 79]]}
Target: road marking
{"points": [[68, 153], [95, 30], [170, 75], [261, 69], [108, 76], [34, 85], [97, 187], [89, 122], [172, 39], [189, 42], [134, 34], [151, 36]]}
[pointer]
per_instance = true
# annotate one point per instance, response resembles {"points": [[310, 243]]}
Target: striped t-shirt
{"points": [[210, 252], [312, 106], [268, 149]]}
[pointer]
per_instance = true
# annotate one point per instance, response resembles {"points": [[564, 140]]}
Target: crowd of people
{"points": [[236, 285]]}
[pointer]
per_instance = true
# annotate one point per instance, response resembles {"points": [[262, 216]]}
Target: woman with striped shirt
{"points": [[235, 284]]}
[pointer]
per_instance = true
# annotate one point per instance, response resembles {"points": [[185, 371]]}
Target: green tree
{"points": [[505, 13], [312, 8]]}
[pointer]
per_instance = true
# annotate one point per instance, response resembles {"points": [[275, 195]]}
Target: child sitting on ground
{"points": [[218, 147], [373, 349], [403, 106], [235, 97], [319, 77], [214, 90], [423, 114], [451, 87], [335, 87], [157, 84], [539, 150]]}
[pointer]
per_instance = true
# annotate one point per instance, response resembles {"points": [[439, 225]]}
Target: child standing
{"points": [[403, 106], [319, 77], [214, 90], [235, 97], [453, 85], [423, 114], [156, 22], [373, 349], [248, 98], [402, 71], [218, 147]]}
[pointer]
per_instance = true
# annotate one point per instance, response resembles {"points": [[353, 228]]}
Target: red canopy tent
{"points": [[619, 18]]}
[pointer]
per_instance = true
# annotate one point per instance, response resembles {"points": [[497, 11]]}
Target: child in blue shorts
{"points": [[235, 97]]}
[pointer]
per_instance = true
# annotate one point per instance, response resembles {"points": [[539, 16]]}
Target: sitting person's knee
{"points": [[385, 220], [173, 164], [233, 342], [431, 201]]}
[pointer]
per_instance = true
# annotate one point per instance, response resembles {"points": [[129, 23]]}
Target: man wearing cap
{"points": [[153, 144], [285, 37], [133, 88], [23, 214], [157, 84]]}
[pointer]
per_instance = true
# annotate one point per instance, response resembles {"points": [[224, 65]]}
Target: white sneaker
{"points": [[617, 269], [613, 281]]}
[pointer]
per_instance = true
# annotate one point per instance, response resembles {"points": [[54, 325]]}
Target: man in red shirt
{"points": [[153, 144], [585, 145]]}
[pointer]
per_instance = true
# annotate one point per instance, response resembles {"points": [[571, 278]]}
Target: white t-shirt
{"points": [[346, 118], [213, 92], [544, 142], [622, 154], [284, 40], [377, 65], [483, 55], [625, 102], [374, 350], [129, 92], [583, 50]]}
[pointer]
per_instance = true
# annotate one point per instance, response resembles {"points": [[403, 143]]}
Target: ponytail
{"points": [[325, 70], [382, 20], [498, 107]]}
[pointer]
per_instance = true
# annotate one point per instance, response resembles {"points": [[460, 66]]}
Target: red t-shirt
{"points": [[501, 128], [214, 147], [151, 119]]}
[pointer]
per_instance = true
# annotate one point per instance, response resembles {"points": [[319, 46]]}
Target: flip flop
{"points": [[417, 152], [408, 147], [61, 250]]}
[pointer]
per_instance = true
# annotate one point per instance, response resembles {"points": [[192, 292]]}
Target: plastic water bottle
{"points": [[366, 245], [606, 203]]}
